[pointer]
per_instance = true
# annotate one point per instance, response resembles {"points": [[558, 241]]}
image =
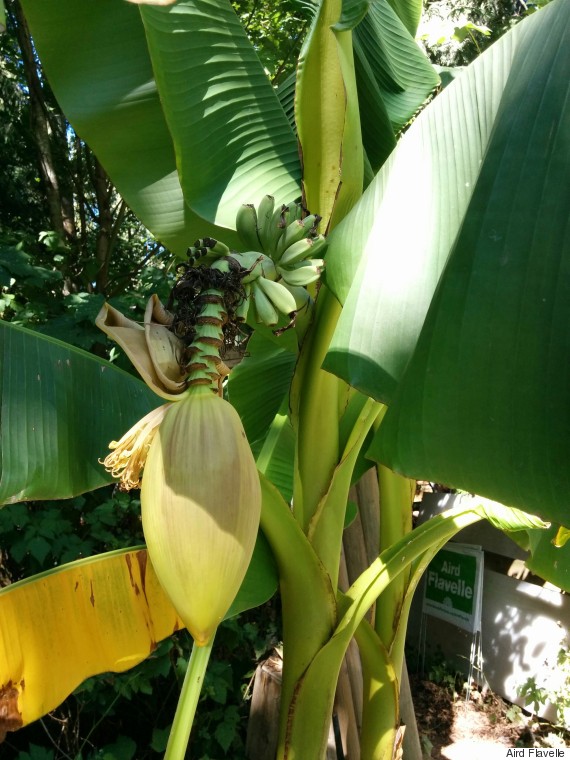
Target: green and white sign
{"points": [[453, 586]]}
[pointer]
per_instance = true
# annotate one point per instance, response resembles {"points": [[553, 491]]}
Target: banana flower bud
{"points": [[201, 504], [200, 495]]}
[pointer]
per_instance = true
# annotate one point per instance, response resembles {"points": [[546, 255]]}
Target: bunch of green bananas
{"points": [[280, 261], [290, 244]]}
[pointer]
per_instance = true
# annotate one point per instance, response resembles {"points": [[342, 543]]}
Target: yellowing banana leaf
{"points": [[484, 403], [56, 629], [232, 140], [96, 58], [105, 613], [60, 408]]}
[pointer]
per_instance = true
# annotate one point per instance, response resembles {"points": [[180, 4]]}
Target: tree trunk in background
{"points": [[66, 179], [60, 209], [108, 226]]}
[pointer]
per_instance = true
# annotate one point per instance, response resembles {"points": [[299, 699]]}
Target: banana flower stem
{"points": [[188, 701]]}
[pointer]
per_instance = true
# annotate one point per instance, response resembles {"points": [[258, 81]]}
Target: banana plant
{"points": [[409, 298]]}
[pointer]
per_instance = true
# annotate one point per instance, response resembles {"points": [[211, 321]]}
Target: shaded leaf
{"points": [[260, 582], [353, 11], [391, 69], [257, 385], [286, 95], [378, 136], [275, 454], [60, 408], [549, 561], [409, 12]]}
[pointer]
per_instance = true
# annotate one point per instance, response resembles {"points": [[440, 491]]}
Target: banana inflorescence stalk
{"points": [[200, 537]]}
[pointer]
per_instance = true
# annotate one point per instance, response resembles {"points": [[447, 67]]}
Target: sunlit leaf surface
{"points": [[232, 139], [96, 58]]}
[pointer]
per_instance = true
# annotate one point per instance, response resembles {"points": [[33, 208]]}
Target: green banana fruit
{"points": [[291, 213], [243, 308], [246, 226], [278, 226], [265, 310], [264, 220], [302, 249], [303, 273], [298, 210], [255, 265], [300, 294], [279, 296], [214, 246], [297, 230]]}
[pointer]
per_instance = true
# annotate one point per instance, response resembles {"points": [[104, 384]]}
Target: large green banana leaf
{"points": [[60, 408], [213, 135], [393, 77], [98, 63], [482, 401], [410, 12], [429, 180], [111, 613], [232, 139]]}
